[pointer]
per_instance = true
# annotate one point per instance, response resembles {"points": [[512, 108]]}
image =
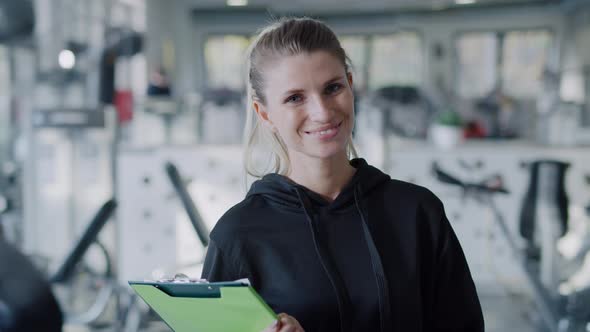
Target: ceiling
{"points": [[355, 6]]}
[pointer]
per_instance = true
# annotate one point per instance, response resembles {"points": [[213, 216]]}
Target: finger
{"points": [[289, 324], [288, 328], [286, 319], [283, 318], [272, 327]]}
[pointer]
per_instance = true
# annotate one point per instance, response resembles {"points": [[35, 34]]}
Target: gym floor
{"points": [[507, 313]]}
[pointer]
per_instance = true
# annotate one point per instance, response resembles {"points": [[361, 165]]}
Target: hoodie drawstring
{"points": [[379, 272], [344, 304]]}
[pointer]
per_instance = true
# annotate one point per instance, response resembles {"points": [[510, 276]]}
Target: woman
{"points": [[334, 244]]}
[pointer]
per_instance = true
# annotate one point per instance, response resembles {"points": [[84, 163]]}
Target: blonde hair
{"points": [[284, 37]]}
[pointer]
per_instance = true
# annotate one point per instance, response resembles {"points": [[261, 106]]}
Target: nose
{"points": [[321, 110]]}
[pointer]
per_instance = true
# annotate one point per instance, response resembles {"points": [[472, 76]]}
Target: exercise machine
{"points": [[558, 313]]}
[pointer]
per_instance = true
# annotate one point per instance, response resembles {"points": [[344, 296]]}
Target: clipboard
{"points": [[206, 306]]}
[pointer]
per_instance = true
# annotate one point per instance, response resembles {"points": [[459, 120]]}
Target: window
{"points": [[524, 55], [4, 99], [396, 59], [513, 60], [377, 61], [224, 58], [4, 72], [356, 49], [476, 70]]}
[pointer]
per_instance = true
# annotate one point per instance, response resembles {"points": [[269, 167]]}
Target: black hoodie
{"points": [[381, 257]]}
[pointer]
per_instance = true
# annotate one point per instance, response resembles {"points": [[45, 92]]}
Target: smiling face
{"points": [[309, 104]]}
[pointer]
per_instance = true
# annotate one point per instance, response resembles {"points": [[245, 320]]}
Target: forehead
{"points": [[300, 70]]}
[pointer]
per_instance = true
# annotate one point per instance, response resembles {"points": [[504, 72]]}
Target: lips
{"points": [[326, 130]]}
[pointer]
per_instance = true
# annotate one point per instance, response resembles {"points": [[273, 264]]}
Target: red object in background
{"points": [[474, 129], [124, 105]]}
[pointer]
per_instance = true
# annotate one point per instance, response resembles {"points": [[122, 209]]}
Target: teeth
{"points": [[324, 132]]}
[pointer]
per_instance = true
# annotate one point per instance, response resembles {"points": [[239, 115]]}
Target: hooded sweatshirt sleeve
{"points": [[218, 266], [456, 305]]}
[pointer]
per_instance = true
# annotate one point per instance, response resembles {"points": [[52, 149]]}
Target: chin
{"points": [[327, 152]]}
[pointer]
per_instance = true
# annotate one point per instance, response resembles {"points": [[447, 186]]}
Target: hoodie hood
{"points": [[280, 190]]}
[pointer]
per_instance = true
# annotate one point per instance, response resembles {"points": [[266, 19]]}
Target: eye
{"points": [[333, 88], [296, 98]]}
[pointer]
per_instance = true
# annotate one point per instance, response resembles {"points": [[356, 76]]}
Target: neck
{"points": [[325, 176]]}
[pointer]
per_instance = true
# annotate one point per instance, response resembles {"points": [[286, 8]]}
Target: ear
{"points": [[263, 115], [349, 77]]}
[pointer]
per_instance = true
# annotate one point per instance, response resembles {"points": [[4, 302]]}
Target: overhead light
{"points": [[66, 59], [237, 3], [464, 2]]}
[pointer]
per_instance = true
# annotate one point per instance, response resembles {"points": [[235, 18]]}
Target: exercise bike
{"points": [[27, 297], [558, 313]]}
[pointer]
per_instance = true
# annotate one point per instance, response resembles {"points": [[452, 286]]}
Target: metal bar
{"points": [[188, 204], [545, 304], [89, 237]]}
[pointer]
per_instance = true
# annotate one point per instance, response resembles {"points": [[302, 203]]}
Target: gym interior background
{"points": [[121, 128]]}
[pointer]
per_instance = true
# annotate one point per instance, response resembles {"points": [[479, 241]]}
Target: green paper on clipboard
{"points": [[206, 307]]}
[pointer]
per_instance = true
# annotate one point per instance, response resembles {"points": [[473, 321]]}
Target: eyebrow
{"points": [[294, 91]]}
